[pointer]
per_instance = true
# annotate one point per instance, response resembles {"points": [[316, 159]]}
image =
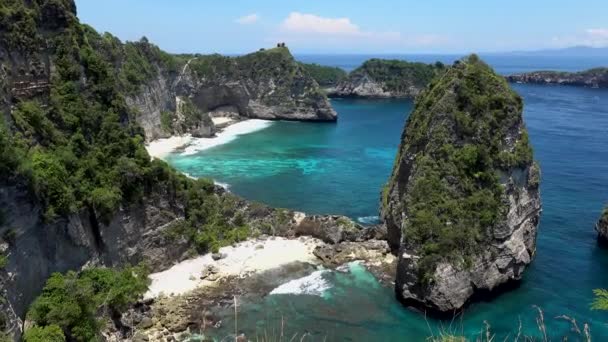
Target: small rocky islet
{"points": [[462, 205], [592, 78], [460, 209]]}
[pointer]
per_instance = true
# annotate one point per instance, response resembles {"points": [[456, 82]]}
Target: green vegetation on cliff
{"points": [[73, 302], [457, 135], [326, 76], [49, 333], [77, 144], [271, 76], [398, 76]]}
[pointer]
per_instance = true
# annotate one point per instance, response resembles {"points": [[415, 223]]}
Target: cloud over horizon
{"points": [[593, 37], [316, 31]]}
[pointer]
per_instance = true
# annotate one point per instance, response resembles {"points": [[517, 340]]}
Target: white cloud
{"points": [[310, 23], [248, 19], [302, 25], [598, 33], [595, 37], [315, 32]]}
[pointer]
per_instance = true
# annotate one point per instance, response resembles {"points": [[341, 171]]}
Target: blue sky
{"points": [[339, 26]]}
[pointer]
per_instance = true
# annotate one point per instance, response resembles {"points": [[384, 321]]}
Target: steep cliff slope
{"points": [[462, 204], [378, 78], [602, 225], [77, 186], [594, 78], [268, 84]]}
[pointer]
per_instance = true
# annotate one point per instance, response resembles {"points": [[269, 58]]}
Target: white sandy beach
{"points": [[244, 259], [227, 135], [162, 147], [221, 120]]}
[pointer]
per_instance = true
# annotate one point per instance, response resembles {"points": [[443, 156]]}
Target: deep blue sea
{"points": [[340, 168]]}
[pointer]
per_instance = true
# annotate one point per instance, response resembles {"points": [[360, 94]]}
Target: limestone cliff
{"points": [[593, 78], [462, 204], [378, 78], [177, 94], [77, 187], [602, 225], [268, 84]]}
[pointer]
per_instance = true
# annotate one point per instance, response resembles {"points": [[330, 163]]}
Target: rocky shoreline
{"points": [[216, 284]]}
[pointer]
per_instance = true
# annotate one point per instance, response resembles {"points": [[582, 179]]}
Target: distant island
{"points": [[376, 78], [593, 78]]}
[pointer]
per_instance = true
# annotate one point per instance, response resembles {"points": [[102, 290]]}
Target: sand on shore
{"points": [[160, 148], [220, 120], [227, 135], [242, 260]]}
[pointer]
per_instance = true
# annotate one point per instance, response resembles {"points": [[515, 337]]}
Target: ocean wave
{"points": [[368, 219], [226, 186], [227, 135], [314, 284]]}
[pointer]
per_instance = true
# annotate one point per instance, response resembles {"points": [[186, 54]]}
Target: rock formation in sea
{"points": [[593, 78], [380, 78], [462, 204], [602, 225]]}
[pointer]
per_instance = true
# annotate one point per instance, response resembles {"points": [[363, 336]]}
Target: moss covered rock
{"points": [[462, 204]]}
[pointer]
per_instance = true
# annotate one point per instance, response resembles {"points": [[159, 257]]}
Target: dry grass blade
{"points": [[572, 323]]}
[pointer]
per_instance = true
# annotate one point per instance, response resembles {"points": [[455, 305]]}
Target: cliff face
{"points": [[268, 84], [593, 78], [378, 78], [602, 225], [462, 204], [77, 186]]}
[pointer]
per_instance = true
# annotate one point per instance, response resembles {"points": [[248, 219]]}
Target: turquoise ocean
{"points": [[340, 169]]}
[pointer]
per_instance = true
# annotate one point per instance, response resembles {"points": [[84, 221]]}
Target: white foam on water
{"points": [[227, 135], [368, 219], [160, 148], [226, 186], [313, 284]]}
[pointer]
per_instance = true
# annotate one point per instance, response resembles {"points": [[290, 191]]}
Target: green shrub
{"points": [[166, 121], [50, 333], [325, 75], [3, 261], [72, 301]]}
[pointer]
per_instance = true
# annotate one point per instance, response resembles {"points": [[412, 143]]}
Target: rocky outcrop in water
{"points": [[378, 78], [593, 78], [462, 204], [602, 226]]}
